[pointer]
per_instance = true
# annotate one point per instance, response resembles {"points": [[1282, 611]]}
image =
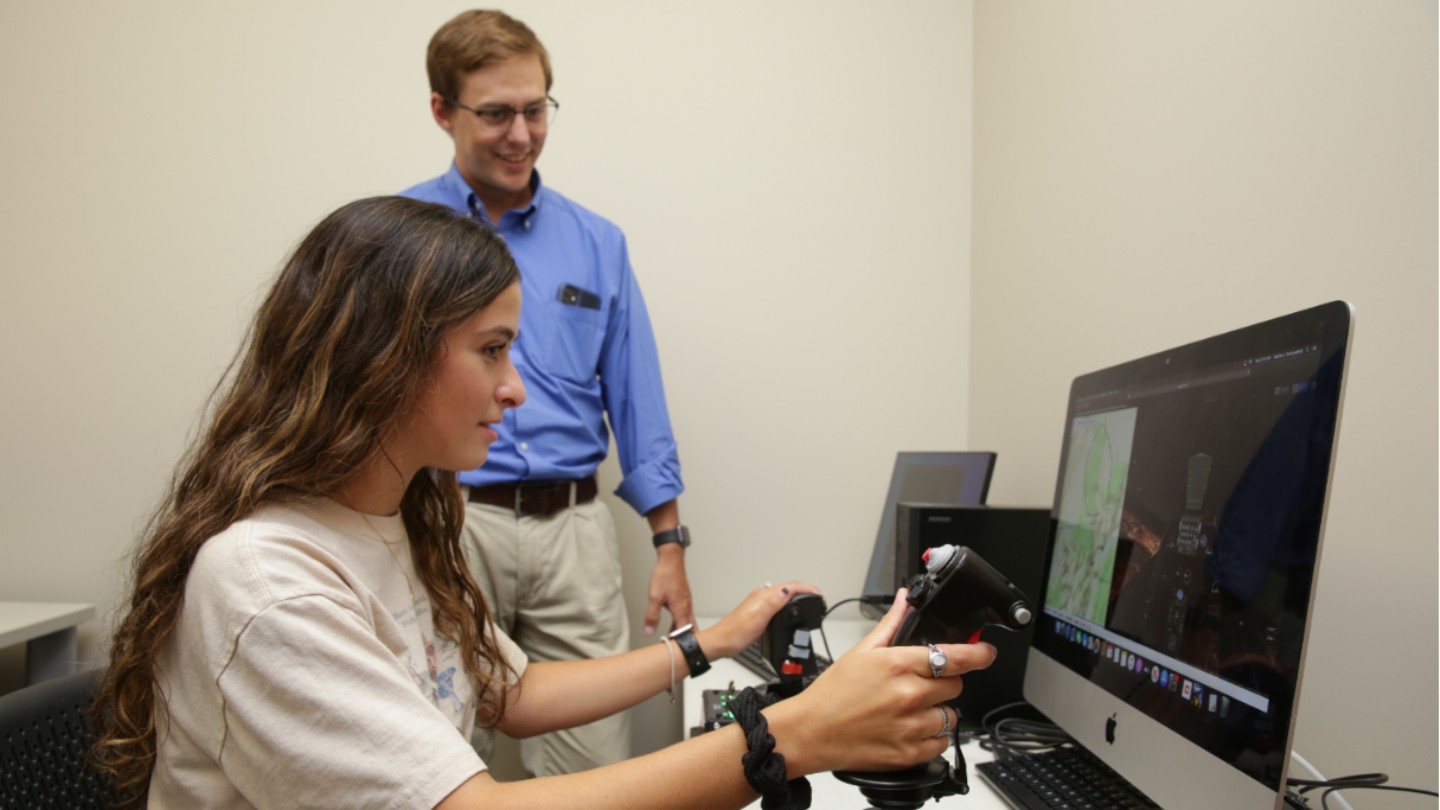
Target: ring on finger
{"points": [[944, 723], [937, 661]]}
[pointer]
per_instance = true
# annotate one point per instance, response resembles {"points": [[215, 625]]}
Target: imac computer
{"points": [[958, 478], [1180, 576]]}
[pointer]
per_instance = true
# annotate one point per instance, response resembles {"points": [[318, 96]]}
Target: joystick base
{"points": [[902, 790]]}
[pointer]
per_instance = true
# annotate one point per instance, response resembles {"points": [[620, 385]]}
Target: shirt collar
{"points": [[462, 198]]}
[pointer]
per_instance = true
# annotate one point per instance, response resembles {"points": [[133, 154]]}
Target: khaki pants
{"points": [[553, 585]]}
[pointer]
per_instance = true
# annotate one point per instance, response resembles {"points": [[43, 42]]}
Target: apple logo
{"points": [[1110, 730]]}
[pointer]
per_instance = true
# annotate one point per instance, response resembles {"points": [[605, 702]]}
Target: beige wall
{"points": [[793, 178], [1147, 174]]}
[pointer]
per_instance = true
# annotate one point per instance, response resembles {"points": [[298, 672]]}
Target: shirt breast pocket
{"points": [[570, 345]]}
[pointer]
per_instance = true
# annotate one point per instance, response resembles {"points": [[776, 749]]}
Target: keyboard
{"points": [[1061, 779], [751, 659]]}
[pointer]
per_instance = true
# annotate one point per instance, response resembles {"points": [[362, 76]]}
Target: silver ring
{"points": [[937, 661], [945, 723]]}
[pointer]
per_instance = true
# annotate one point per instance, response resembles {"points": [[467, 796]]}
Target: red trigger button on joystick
{"points": [[974, 637], [926, 555], [791, 668]]}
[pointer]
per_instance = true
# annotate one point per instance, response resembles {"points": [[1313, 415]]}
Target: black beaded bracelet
{"points": [[765, 769]]}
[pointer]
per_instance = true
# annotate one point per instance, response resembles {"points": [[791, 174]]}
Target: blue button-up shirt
{"points": [[585, 350]]}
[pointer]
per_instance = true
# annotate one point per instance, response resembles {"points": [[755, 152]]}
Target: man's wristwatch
{"points": [[690, 647], [680, 535]]}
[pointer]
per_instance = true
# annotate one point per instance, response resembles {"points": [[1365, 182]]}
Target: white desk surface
{"points": [[23, 621], [829, 792]]}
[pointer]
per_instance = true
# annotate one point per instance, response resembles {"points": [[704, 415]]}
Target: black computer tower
{"points": [[1013, 540]]}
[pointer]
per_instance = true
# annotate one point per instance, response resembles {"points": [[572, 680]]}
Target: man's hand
{"points": [[669, 589]]}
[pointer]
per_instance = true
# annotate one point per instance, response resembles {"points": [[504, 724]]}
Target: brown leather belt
{"points": [[536, 497]]}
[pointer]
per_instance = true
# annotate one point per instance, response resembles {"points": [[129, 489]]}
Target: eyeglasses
{"points": [[499, 116]]}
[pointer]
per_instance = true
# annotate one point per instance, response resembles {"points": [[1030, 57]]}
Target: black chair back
{"points": [[45, 736]]}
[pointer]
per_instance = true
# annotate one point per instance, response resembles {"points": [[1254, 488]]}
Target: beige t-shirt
{"points": [[302, 674]]}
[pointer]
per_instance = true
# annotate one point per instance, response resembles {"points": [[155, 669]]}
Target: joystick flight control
{"points": [[789, 646], [957, 597]]}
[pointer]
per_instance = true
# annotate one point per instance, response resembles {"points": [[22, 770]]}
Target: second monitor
{"points": [[957, 478]]}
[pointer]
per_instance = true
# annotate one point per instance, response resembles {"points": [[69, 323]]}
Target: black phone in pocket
{"points": [[576, 297]]}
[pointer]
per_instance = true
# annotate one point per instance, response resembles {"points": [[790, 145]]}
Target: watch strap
{"points": [[690, 648], [679, 535]]}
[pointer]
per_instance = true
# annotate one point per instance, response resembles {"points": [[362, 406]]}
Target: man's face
{"points": [[496, 161]]}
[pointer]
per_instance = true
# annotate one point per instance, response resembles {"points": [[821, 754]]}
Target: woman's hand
{"points": [[875, 708], [746, 622]]}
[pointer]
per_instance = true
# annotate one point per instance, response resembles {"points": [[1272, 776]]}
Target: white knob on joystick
{"points": [[938, 556]]}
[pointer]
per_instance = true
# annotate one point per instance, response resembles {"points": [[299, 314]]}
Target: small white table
{"points": [[47, 629]]}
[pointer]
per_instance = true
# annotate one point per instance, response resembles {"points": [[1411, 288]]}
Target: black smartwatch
{"points": [[678, 535], [690, 646]]}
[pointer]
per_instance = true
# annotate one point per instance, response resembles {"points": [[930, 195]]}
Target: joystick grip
{"points": [[787, 643], [958, 595]]}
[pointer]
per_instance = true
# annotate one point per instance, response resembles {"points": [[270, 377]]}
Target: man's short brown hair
{"points": [[474, 39]]}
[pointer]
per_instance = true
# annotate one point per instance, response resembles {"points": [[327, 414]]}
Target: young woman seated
{"points": [[303, 631]]}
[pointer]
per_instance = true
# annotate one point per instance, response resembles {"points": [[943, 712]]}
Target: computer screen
{"points": [[959, 478], [1180, 576]]}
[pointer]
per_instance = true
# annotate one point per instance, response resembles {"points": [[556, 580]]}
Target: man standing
{"points": [[541, 545]]}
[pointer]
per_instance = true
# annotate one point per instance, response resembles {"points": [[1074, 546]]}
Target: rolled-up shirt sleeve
{"points": [[634, 395]]}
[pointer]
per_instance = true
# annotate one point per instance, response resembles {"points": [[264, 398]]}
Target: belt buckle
{"points": [[537, 499], [545, 497]]}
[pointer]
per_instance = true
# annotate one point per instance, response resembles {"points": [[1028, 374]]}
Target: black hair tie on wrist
{"points": [[765, 769]]}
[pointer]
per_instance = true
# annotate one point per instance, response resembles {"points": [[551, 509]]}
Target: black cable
{"points": [[1354, 780], [1296, 800], [828, 611], [821, 631], [842, 602], [1017, 735], [1325, 797], [1358, 781], [985, 719]]}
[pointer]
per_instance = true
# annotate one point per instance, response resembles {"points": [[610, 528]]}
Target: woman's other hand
{"points": [[748, 620]]}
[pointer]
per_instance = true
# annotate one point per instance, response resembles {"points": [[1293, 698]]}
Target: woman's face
{"points": [[474, 381]]}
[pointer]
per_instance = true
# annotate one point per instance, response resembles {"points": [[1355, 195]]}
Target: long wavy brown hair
{"points": [[341, 347]]}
